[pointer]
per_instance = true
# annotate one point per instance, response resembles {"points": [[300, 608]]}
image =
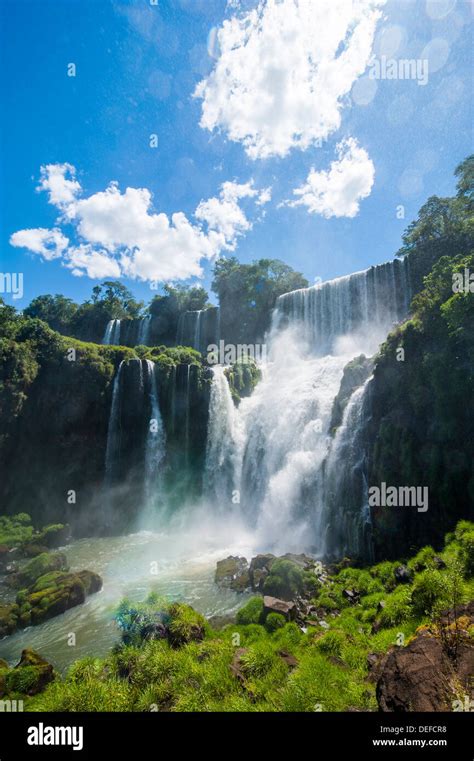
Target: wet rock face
{"points": [[426, 675], [233, 573]]}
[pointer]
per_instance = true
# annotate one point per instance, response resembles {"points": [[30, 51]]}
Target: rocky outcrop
{"points": [[274, 605], [428, 674], [233, 573], [30, 676], [47, 594], [355, 374]]}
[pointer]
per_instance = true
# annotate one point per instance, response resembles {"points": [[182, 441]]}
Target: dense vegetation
{"points": [[247, 294], [422, 426], [170, 658]]}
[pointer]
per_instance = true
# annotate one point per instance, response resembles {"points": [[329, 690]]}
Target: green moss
{"points": [[15, 530], [41, 565]]}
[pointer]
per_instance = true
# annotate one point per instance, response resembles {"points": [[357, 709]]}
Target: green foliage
{"points": [[251, 612], [429, 591], [424, 558], [247, 294], [15, 530], [243, 376], [274, 621], [286, 580]]}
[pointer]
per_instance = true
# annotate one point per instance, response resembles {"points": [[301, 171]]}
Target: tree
{"points": [[58, 311], [248, 293]]}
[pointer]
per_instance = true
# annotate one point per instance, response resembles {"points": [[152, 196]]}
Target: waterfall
{"points": [[155, 440], [299, 487], [144, 331], [345, 522], [285, 439], [136, 442], [113, 433], [361, 304], [198, 328], [222, 443], [112, 333]]}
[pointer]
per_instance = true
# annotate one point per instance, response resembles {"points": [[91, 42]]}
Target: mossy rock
{"points": [[15, 530], [55, 592], [39, 566], [233, 573], [30, 676], [54, 535], [8, 619], [287, 580]]}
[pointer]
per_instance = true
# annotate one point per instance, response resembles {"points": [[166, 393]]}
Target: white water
{"points": [[155, 449], [179, 563], [223, 436], [112, 333], [274, 449], [144, 331]]}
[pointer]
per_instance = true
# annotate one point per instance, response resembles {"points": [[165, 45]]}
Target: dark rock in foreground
{"points": [[426, 675]]}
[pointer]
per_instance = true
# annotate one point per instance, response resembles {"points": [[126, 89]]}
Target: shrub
{"points": [[429, 591], [397, 608], [252, 612], [285, 580], [274, 621], [332, 643], [422, 560]]}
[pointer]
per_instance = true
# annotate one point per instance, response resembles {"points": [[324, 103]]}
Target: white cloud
{"points": [[50, 244], [119, 234], [284, 69], [224, 214], [337, 192], [84, 260], [59, 180]]}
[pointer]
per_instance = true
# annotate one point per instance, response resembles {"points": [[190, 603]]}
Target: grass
{"points": [[246, 666]]}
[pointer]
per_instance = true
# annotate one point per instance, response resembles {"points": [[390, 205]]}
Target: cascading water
{"points": [[350, 305], [113, 434], [198, 328], [286, 462], [112, 333], [143, 338], [345, 521], [222, 443], [155, 447]]}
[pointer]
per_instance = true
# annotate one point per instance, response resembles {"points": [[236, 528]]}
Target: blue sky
{"points": [[385, 143]]}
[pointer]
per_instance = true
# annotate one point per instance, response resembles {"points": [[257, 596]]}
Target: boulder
{"points": [[38, 566], [274, 605], [233, 573], [54, 593], [421, 677], [403, 574], [259, 568], [30, 676], [55, 535], [8, 619]]}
